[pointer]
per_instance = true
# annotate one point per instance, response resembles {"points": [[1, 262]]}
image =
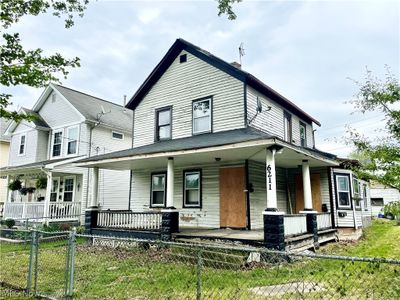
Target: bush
{"points": [[10, 223], [15, 185], [393, 208], [49, 228], [80, 229]]}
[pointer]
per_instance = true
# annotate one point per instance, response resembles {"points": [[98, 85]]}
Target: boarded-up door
{"points": [[232, 197], [315, 191]]}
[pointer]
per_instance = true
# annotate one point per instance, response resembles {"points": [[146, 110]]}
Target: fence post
{"points": [[198, 274], [70, 265], [31, 257], [36, 261]]}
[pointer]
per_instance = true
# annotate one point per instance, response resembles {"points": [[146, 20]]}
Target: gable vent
{"points": [[183, 58], [53, 98]]}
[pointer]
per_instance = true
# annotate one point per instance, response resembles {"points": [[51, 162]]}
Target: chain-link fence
{"points": [[70, 265]]}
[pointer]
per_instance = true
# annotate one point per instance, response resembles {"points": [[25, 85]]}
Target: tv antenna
{"points": [[241, 52], [101, 114]]}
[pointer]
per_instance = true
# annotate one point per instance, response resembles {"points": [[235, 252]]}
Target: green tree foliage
{"points": [[393, 208], [225, 8], [380, 156], [20, 66]]}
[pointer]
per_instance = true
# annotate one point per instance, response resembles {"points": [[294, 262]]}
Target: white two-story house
{"points": [[218, 145], [69, 125]]}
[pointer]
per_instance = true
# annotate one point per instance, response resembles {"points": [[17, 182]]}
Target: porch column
{"points": [[95, 187], [8, 197], [307, 186], [271, 180], [170, 183], [46, 213]]}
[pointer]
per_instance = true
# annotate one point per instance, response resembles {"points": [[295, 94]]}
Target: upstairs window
{"points": [[117, 135], [365, 196], [287, 127], [57, 143], [202, 116], [343, 191], [22, 141], [158, 190], [303, 134], [192, 189], [72, 138], [163, 124]]}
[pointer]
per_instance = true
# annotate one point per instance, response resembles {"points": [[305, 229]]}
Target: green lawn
{"points": [[166, 273]]}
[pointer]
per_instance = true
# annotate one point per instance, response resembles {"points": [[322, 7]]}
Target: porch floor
{"points": [[245, 236]]}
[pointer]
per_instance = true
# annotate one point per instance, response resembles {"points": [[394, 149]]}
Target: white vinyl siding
{"points": [[33, 142], [180, 85]]}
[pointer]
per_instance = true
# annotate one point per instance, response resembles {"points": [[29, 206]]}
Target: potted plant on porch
{"points": [[15, 185]]}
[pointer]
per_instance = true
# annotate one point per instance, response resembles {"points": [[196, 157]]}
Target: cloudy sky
{"points": [[306, 50]]}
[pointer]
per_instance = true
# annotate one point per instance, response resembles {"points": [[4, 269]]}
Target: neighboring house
{"points": [[381, 195], [218, 146], [69, 125], [4, 149]]}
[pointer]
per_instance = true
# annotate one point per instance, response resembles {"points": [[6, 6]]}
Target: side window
{"points": [[117, 135], [163, 124], [365, 196], [57, 144], [72, 140], [287, 127], [343, 191], [303, 137], [22, 142], [192, 189], [158, 189], [202, 117]]}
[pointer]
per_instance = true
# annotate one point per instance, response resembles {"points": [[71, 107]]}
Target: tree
{"points": [[225, 7], [380, 156], [20, 66]]}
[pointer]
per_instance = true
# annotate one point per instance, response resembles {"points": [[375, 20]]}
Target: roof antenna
{"points": [[241, 52], [101, 114]]}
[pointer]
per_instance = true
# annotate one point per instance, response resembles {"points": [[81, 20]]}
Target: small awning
{"points": [[233, 145]]}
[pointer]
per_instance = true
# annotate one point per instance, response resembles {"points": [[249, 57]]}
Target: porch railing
{"points": [[129, 220], [64, 210], [324, 221], [295, 224]]}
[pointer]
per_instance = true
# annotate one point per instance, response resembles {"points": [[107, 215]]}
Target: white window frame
{"points": [[73, 189], [287, 127], [152, 190], [117, 132], [342, 191], [52, 143], [365, 196], [20, 144], [209, 99], [58, 189], [189, 172], [67, 140]]}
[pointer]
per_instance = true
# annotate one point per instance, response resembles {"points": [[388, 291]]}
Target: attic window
{"points": [[182, 58], [53, 98], [117, 135]]}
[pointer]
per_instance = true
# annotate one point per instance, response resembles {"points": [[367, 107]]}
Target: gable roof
{"points": [[38, 122], [181, 44], [3, 127]]}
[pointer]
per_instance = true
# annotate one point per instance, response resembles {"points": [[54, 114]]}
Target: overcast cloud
{"points": [[304, 50]]}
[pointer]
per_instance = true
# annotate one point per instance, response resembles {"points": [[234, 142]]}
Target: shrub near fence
{"points": [[89, 267]]}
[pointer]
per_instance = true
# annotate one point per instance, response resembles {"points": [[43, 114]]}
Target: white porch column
{"points": [[46, 212], [307, 186], [272, 204], [170, 183], [8, 196], [95, 187]]}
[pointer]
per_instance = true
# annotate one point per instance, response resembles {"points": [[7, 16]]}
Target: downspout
{"points": [[248, 187], [131, 171], [88, 171], [331, 201]]}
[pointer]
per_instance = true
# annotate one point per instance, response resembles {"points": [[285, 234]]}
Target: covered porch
{"points": [[42, 193], [233, 185]]}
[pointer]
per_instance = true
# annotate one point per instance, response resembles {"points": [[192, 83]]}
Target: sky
{"points": [[309, 51]]}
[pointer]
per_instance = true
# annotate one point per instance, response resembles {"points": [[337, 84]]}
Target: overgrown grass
{"points": [[164, 273]]}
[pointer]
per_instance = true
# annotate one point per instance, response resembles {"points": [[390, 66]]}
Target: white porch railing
{"points": [[129, 220], [324, 221], [295, 224], [64, 210]]}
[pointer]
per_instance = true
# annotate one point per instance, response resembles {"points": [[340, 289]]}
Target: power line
{"points": [[350, 123]]}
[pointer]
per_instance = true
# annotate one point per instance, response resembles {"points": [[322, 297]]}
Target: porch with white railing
{"points": [[129, 220], [324, 221], [295, 224], [35, 211]]}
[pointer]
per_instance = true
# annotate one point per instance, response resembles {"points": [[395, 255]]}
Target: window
{"points": [[68, 189], [54, 190], [356, 188], [202, 116], [22, 142], [377, 201], [343, 191], [303, 142], [72, 138], [192, 189], [117, 135], [163, 124], [287, 127], [57, 143], [365, 196], [158, 190]]}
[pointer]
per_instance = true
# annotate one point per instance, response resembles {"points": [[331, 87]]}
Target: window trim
{"points": [[52, 142], [20, 144], [211, 99], [338, 206], [156, 126], [117, 132], [58, 179], [68, 141], [288, 116], [200, 204], [365, 196], [302, 124], [151, 190], [73, 190]]}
